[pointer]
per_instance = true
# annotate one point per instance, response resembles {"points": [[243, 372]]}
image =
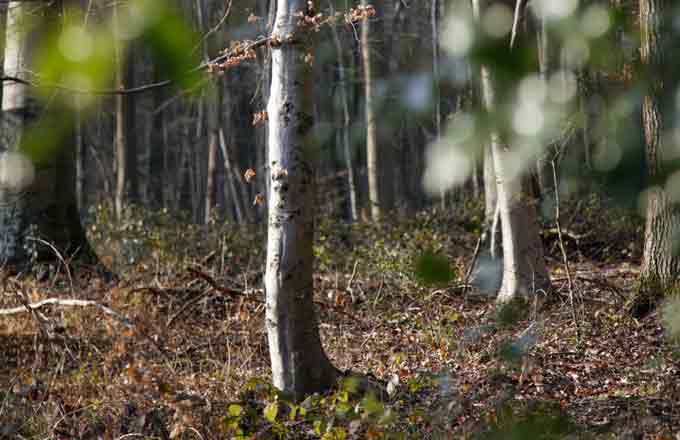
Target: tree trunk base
{"points": [[648, 295]]}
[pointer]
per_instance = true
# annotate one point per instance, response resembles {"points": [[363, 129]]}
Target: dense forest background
{"points": [[338, 220]]}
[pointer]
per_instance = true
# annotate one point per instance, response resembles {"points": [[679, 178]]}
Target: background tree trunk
{"points": [[372, 160], [125, 140], [660, 261], [157, 159], [299, 363], [544, 170], [37, 199], [524, 269], [346, 121]]}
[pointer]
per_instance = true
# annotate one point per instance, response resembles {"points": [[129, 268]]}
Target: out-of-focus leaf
{"points": [[271, 411], [43, 141], [433, 269], [76, 57], [171, 40], [235, 410]]}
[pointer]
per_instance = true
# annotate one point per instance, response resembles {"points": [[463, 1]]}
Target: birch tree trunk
{"points": [[660, 261], [37, 199], [372, 165], [299, 363], [524, 269]]}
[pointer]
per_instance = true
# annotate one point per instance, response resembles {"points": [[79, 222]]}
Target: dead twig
{"points": [[565, 259], [59, 256], [27, 307], [468, 274]]}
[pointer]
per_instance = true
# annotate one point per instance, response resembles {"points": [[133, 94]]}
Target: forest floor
{"points": [[187, 355]]}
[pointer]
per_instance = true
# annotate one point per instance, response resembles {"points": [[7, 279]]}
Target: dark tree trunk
{"points": [[660, 261]]}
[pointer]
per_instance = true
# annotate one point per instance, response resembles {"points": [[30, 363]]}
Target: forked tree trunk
{"points": [[299, 363], [524, 269], [372, 164], [660, 261], [37, 199]]}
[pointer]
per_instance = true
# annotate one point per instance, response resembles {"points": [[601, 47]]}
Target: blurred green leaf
{"points": [[235, 410], [172, 41], [44, 140], [433, 269], [372, 406], [271, 411], [76, 57]]}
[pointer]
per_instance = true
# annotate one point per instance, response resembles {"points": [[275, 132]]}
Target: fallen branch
{"points": [[68, 303], [33, 308]]}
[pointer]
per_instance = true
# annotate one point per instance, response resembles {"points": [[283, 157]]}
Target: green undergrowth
{"points": [[154, 240]]}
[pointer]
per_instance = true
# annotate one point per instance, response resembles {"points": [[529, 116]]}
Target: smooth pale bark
{"points": [[524, 269], [372, 165], [491, 206], [299, 363], [37, 200], [660, 261], [346, 121]]}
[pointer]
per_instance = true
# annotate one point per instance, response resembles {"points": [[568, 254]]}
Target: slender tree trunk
{"points": [[524, 269], [239, 198], [126, 120], [299, 363], [346, 121], [434, 22], [213, 144], [81, 159], [157, 154], [372, 165], [660, 268]]}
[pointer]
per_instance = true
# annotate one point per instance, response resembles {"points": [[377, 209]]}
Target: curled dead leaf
{"points": [[260, 117], [249, 174]]}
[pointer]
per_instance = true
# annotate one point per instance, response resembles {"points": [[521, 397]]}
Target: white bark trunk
{"points": [[14, 94], [524, 270], [299, 364], [372, 165]]}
